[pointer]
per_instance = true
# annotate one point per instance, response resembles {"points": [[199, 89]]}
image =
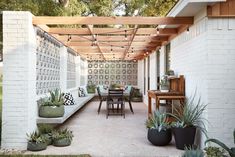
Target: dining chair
{"points": [[130, 98], [115, 97], [102, 98]]}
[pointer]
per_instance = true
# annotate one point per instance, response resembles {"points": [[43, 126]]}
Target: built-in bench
{"points": [[69, 110]]}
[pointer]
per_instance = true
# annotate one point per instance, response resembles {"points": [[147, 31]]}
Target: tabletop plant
{"points": [[231, 151], [193, 152], [62, 138], [52, 106], [164, 84], [159, 131], [91, 88], [188, 118], [36, 142]]}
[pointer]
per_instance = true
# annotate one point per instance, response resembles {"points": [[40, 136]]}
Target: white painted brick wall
{"points": [[206, 58], [19, 79]]}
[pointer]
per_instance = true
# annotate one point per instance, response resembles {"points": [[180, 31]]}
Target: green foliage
{"points": [[214, 152], [231, 151], [55, 99], [45, 128], [164, 81], [91, 88], [157, 121], [190, 114], [190, 152], [36, 137], [62, 134], [21, 155]]}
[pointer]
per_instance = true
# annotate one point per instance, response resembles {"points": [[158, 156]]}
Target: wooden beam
{"points": [[137, 20], [84, 31]]}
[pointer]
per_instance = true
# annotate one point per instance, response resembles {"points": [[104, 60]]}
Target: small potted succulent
{"points": [[62, 138], [231, 151], [159, 131], [164, 84], [214, 152], [52, 107], [36, 142], [188, 120], [46, 131]]}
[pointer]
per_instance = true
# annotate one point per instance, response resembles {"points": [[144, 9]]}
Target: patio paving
{"points": [[112, 137]]}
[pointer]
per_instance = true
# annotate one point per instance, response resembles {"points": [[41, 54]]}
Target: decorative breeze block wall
{"points": [[48, 63], [110, 72], [71, 69]]}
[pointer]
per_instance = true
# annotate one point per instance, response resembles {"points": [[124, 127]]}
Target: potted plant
{"points": [[170, 73], [36, 142], [159, 132], [188, 119], [53, 106], [231, 151], [164, 84], [190, 152], [91, 88], [46, 131], [62, 138], [214, 152]]}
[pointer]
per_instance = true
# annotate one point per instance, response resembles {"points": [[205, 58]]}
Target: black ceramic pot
{"points": [[161, 138], [184, 137]]}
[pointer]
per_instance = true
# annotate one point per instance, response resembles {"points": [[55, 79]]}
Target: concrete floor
{"points": [[112, 137]]}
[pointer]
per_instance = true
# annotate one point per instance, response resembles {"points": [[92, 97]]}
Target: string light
{"points": [[125, 35], [158, 31], [188, 30], [69, 38]]}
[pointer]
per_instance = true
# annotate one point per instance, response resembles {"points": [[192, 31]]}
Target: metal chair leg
{"points": [[100, 106], [131, 107]]}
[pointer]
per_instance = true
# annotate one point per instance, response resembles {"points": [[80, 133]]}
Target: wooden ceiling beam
{"points": [[137, 20]]}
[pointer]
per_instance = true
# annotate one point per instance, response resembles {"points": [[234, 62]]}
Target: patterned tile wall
{"points": [[48, 63], [71, 70], [110, 72]]}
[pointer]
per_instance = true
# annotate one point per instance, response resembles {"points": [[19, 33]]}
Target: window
{"points": [[168, 59]]}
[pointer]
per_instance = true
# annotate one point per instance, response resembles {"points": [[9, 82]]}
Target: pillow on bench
{"points": [[82, 92], [68, 99]]}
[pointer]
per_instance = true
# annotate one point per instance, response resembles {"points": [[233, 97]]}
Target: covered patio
{"points": [[73, 54]]}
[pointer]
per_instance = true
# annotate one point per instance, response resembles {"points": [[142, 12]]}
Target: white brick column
{"points": [[63, 68], [78, 70], [19, 79]]}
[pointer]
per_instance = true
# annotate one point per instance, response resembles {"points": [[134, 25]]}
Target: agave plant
{"points": [[190, 152], [55, 99], [45, 129], [231, 151], [190, 115], [62, 134], [36, 137]]}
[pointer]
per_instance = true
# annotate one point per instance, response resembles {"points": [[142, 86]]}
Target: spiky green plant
{"points": [[190, 115], [158, 121], [231, 151], [193, 152], [55, 99], [36, 137], [61, 134]]}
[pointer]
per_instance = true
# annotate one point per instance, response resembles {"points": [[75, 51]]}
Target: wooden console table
{"points": [[176, 92]]}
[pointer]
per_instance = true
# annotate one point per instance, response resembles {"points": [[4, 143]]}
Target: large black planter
{"points": [[184, 137], [161, 138]]}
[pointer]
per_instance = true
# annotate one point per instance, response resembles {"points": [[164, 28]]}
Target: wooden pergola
{"points": [[114, 38]]}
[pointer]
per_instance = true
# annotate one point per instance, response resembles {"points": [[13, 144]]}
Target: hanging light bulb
{"points": [[111, 48], [147, 52], [158, 31], [188, 30], [125, 35]]}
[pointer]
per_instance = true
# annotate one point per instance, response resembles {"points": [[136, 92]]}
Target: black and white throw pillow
{"points": [[68, 99], [81, 92]]}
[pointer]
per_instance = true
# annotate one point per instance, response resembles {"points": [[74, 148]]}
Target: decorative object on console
{"points": [[164, 84]]}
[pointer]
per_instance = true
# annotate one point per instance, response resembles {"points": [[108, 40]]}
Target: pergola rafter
{"points": [[97, 41]]}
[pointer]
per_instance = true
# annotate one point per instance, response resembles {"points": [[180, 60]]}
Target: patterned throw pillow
{"points": [[68, 99], [81, 92]]}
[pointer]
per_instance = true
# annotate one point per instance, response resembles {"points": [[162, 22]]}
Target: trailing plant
{"points": [[192, 152], [36, 137], [158, 121], [62, 134], [214, 152], [55, 99], [231, 151], [190, 115]]}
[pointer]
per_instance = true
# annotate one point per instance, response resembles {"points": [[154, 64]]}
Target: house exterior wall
{"points": [[206, 58]]}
